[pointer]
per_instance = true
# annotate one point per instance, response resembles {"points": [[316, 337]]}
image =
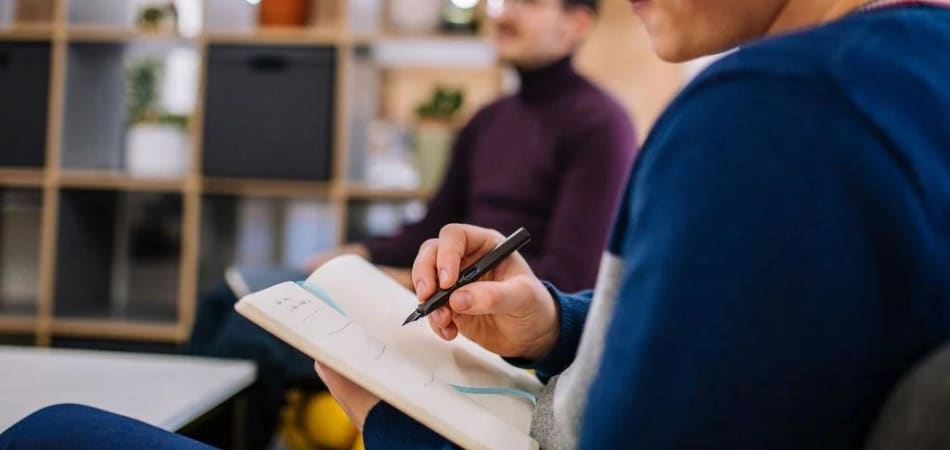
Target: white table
{"points": [[163, 390]]}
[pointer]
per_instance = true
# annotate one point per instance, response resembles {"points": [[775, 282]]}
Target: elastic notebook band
{"points": [[511, 392], [322, 295]]}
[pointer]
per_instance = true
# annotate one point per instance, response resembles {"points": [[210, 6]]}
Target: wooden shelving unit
{"points": [[94, 221], [27, 32], [358, 192], [18, 323], [21, 177], [276, 36], [118, 329], [267, 188], [116, 181], [107, 33]]}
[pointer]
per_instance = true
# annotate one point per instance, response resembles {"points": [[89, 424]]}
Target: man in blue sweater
{"points": [[779, 260]]}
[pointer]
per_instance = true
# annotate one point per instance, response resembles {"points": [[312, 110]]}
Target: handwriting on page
{"points": [[321, 318]]}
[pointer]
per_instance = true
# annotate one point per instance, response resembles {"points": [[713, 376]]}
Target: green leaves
{"points": [[444, 104], [142, 96], [143, 90]]}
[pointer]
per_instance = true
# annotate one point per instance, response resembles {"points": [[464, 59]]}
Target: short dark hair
{"points": [[592, 4]]}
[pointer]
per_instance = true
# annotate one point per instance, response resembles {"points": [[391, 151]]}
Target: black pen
{"points": [[473, 272]]}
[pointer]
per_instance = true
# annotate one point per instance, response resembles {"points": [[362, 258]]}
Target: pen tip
{"points": [[412, 318]]}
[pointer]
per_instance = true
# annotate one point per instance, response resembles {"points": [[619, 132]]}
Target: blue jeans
{"points": [[78, 427], [221, 332]]}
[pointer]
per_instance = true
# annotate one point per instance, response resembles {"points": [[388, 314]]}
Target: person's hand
{"points": [[356, 401], [321, 258], [508, 311]]}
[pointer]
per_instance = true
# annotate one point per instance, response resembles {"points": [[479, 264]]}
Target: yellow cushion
{"points": [[316, 421]]}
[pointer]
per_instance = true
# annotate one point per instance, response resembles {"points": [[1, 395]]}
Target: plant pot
{"points": [[416, 16], [433, 146], [156, 151], [284, 13]]}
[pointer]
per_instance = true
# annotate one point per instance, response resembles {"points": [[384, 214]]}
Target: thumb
{"points": [[490, 297]]}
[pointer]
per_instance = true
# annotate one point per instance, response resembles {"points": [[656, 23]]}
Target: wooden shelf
{"points": [[266, 188], [27, 32], [16, 323], [360, 192], [115, 328], [69, 190], [21, 177], [270, 36], [120, 181], [437, 38], [96, 33]]}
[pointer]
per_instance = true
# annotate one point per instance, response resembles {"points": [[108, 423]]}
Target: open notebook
{"points": [[348, 316]]}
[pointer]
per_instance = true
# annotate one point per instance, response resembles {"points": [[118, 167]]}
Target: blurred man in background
{"points": [[551, 158]]}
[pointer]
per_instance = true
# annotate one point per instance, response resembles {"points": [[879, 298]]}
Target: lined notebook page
{"points": [[348, 315]]}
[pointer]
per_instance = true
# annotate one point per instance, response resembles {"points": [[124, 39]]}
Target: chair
{"points": [[916, 416]]}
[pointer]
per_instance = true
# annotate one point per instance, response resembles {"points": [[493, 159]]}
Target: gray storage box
{"points": [[24, 88], [269, 112]]}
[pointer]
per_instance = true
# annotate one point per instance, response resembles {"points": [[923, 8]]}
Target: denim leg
{"points": [[214, 307], [78, 427]]}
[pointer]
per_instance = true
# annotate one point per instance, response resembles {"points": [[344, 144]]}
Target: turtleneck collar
{"points": [[541, 82]]}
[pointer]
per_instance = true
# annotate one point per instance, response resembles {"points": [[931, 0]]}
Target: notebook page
{"points": [[305, 321], [380, 305]]}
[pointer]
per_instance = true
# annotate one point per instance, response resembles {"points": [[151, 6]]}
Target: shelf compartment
{"points": [[403, 88], [118, 255], [250, 231], [96, 120], [368, 219], [269, 112], [123, 14], [20, 225], [241, 16], [24, 88]]}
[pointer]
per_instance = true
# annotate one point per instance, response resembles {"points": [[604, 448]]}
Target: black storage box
{"points": [[269, 112], [24, 90]]}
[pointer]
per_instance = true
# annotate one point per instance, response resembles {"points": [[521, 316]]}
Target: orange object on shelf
{"points": [[284, 13]]}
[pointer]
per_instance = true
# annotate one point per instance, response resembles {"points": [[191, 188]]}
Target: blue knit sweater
{"points": [[786, 245]]}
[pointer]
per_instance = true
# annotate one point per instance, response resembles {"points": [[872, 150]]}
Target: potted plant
{"points": [[156, 143], [157, 17], [434, 133]]}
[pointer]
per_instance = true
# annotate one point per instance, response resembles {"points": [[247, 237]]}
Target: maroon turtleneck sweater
{"points": [[551, 158]]}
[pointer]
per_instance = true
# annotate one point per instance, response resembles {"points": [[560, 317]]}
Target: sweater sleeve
{"points": [[447, 205], [745, 318], [388, 428], [572, 313], [593, 167]]}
